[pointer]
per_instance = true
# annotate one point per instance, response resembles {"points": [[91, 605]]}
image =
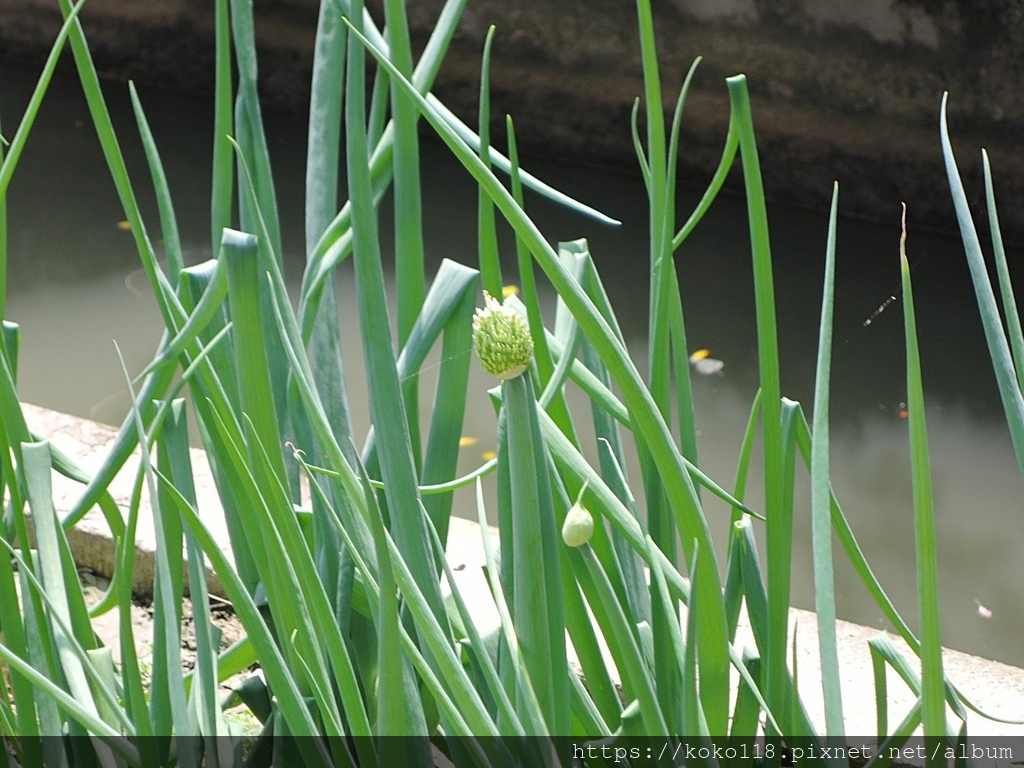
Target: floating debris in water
{"points": [[124, 226], [488, 455], [509, 290], [704, 364], [467, 440], [984, 612]]}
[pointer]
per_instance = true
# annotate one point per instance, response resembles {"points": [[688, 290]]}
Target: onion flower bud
{"points": [[578, 527], [502, 339]]}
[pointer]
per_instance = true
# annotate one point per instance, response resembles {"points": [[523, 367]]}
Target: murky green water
{"points": [[74, 286]]}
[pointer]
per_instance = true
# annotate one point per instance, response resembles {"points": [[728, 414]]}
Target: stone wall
{"points": [[841, 90]]}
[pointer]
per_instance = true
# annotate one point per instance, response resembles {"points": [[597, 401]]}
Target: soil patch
{"points": [[219, 612]]}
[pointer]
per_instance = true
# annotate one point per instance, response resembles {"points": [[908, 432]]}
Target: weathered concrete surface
{"points": [[88, 443], [995, 688], [846, 90]]}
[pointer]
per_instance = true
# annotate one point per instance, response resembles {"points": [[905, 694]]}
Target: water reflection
{"points": [[977, 505], [67, 288]]}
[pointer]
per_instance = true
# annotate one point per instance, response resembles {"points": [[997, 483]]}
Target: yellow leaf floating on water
{"points": [[704, 364], [468, 440], [124, 226], [509, 290], [488, 455]]}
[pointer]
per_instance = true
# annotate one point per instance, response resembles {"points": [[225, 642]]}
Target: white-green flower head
{"points": [[578, 527], [502, 339]]}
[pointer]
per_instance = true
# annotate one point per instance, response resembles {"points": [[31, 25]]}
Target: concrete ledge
{"points": [[993, 687], [88, 443]]}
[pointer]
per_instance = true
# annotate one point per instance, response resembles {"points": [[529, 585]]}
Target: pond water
{"points": [[75, 285]]}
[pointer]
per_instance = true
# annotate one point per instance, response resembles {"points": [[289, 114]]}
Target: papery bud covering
{"points": [[578, 527]]}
